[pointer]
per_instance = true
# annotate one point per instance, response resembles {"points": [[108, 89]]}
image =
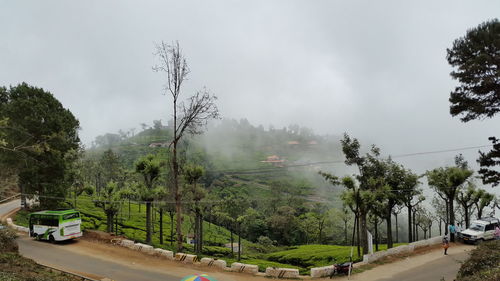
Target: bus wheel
{"points": [[51, 239]]}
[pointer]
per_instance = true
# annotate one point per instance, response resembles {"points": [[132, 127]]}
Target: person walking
{"points": [[446, 245], [497, 233]]}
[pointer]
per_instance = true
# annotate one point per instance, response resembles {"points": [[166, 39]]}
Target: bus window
{"points": [[71, 216], [49, 221]]}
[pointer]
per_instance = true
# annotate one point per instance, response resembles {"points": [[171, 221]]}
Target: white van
{"points": [[480, 230]]}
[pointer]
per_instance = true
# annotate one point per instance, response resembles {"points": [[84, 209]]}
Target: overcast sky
{"points": [[375, 69]]}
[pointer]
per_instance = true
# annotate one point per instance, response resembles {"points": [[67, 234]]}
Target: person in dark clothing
{"points": [[446, 244]]}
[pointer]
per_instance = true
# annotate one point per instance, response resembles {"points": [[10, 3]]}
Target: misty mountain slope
{"points": [[252, 158]]}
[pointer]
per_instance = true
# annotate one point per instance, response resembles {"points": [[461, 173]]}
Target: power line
{"points": [[284, 169]]}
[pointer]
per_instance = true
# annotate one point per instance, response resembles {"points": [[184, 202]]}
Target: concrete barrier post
{"points": [[186, 258], [164, 253], [324, 271], [246, 268], [282, 272]]}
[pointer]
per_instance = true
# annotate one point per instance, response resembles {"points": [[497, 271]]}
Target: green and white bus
{"points": [[55, 225]]}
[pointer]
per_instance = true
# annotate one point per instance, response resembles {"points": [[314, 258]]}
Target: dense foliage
{"points": [[476, 59], [483, 263], [37, 140]]}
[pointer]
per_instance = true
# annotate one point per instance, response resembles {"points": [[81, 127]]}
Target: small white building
{"points": [[235, 247]]}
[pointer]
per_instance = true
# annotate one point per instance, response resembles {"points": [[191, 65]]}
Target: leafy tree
{"points": [[75, 175], [253, 224], [109, 200], [466, 199], [39, 134], [447, 182], [109, 169], [149, 167], [233, 205], [440, 210], [283, 225], [395, 212], [411, 198], [392, 194], [488, 161], [476, 59], [370, 178], [189, 118], [482, 199], [192, 174]]}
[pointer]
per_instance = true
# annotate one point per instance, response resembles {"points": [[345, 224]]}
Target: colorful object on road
{"points": [[198, 277]]}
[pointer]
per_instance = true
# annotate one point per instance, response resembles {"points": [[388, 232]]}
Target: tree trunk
{"points": [[161, 226], [452, 220], [466, 211], [321, 231], [201, 234], [440, 229], [239, 242], [178, 206], [232, 241], [409, 225], [376, 234], [116, 224], [358, 238], [414, 229], [388, 223], [364, 233], [171, 228], [148, 222], [345, 233], [109, 221], [397, 228]]}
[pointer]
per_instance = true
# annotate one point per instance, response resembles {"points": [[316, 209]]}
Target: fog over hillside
{"points": [[374, 69]]}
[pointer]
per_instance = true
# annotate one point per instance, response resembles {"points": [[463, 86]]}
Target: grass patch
{"points": [[309, 256], [262, 264]]}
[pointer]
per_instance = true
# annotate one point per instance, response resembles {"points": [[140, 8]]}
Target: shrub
{"points": [[216, 251], [483, 263], [265, 241], [8, 240]]}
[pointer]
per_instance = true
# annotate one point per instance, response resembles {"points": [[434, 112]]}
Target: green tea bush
{"points": [[8, 240], [483, 263], [216, 251]]}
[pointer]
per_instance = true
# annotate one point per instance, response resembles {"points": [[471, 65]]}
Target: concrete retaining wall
{"points": [[403, 249], [126, 243], [318, 272], [282, 272], [11, 224], [246, 268]]}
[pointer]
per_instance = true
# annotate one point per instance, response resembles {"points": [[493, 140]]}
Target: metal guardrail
{"points": [[83, 278], [10, 198]]}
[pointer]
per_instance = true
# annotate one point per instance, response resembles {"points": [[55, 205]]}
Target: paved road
{"points": [[9, 206], [63, 256], [445, 267], [98, 260]]}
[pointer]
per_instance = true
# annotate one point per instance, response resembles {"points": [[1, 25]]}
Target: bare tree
{"points": [[190, 117]]}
